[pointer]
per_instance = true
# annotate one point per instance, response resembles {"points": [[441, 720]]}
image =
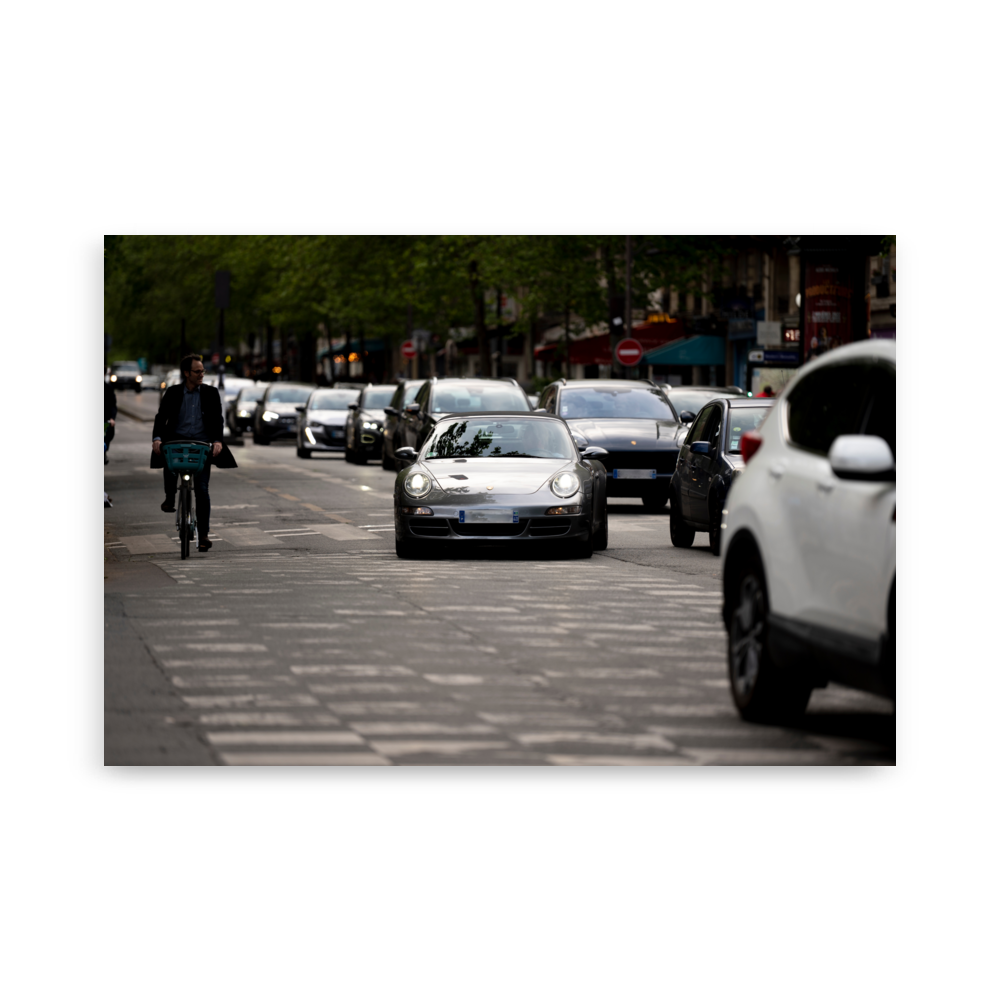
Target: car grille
{"points": [[550, 526], [429, 526], [662, 461], [487, 530]]}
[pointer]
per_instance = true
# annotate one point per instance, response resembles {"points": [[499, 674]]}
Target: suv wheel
{"points": [[761, 691]]}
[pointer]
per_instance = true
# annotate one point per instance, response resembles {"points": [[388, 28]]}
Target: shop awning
{"points": [[689, 351], [597, 350]]}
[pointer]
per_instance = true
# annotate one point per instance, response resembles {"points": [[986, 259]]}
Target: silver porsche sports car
{"points": [[501, 477]]}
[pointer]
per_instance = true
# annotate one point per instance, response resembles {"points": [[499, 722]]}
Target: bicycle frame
{"points": [[187, 459]]}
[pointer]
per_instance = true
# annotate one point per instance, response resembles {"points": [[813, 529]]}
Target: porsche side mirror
{"points": [[390, 411], [594, 452], [406, 454]]}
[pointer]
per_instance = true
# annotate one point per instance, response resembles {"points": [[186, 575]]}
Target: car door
{"points": [[685, 470], [701, 464], [828, 402], [858, 531]]}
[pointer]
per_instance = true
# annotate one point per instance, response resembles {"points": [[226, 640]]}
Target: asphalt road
{"points": [[300, 638]]}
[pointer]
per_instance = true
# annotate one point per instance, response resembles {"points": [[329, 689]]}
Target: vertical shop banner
{"points": [[827, 308]]}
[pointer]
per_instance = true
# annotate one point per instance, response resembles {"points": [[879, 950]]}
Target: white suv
{"points": [[809, 538]]}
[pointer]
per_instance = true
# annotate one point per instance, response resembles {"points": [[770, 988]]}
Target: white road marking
{"points": [[268, 719], [635, 741], [409, 748], [149, 544], [576, 760], [222, 647], [245, 536], [340, 532], [250, 701], [295, 738], [233, 681], [217, 662], [303, 760], [421, 729], [761, 755], [396, 708], [352, 670]]}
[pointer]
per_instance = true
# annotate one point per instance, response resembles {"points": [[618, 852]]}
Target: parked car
{"points": [[688, 400], [321, 422], [126, 375], [240, 410], [363, 429], [633, 420], [438, 397], [709, 460], [277, 414], [405, 393], [809, 538], [514, 477]]}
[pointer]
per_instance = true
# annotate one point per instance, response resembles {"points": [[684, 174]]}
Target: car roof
{"points": [[744, 401], [720, 390], [625, 383], [502, 413]]}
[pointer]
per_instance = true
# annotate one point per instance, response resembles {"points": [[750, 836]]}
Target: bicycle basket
{"points": [[185, 456]]}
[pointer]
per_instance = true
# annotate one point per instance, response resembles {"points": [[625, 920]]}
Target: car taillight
{"points": [[749, 444]]}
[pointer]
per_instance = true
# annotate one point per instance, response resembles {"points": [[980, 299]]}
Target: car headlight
{"points": [[417, 484], [566, 484], [370, 425], [269, 415], [114, 378], [138, 378], [244, 413]]}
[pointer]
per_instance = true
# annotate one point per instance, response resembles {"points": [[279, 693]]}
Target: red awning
{"points": [[597, 350]]}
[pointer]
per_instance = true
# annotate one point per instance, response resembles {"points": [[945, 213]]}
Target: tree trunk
{"points": [[479, 304], [609, 272], [269, 352]]}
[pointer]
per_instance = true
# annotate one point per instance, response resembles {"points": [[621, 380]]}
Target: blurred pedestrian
{"points": [[191, 411], [110, 412], [767, 393]]}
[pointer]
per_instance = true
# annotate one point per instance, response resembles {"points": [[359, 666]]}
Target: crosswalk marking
{"points": [[293, 738], [304, 759]]}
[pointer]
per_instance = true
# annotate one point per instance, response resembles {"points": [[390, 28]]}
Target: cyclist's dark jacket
{"points": [[211, 415]]}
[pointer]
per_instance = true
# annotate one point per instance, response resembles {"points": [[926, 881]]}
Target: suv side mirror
{"points": [[862, 456], [412, 408], [700, 448], [300, 409], [687, 416], [352, 406], [390, 411]]}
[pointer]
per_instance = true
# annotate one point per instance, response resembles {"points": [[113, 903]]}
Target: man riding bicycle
{"points": [[191, 411]]}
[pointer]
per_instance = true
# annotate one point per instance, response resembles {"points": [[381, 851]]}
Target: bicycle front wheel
{"points": [[184, 510]]}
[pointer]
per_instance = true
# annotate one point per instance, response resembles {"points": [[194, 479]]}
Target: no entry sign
{"points": [[408, 349], [629, 351]]}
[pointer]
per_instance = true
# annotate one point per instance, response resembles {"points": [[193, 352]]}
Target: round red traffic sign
{"points": [[629, 351], [408, 349]]}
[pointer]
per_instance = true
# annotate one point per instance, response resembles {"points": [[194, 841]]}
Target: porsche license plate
{"points": [[634, 474], [495, 515]]}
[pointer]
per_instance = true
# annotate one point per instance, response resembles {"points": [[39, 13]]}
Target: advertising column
{"points": [[827, 307]]}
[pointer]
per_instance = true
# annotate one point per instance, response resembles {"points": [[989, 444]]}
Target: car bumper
{"points": [[274, 431], [314, 439], [638, 487], [533, 525]]}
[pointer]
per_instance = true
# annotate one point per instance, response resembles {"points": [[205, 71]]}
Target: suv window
{"points": [[697, 428], [548, 401], [829, 402], [880, 416], [709, 427]]}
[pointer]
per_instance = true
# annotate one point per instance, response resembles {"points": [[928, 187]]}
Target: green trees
{"points": [[373, 286]]}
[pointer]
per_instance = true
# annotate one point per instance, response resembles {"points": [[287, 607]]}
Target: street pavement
{"points": [[300, 638]]}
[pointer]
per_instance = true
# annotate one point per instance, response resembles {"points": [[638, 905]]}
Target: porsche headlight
{"points": [[566, 484], [417, 484], [269, 415]]}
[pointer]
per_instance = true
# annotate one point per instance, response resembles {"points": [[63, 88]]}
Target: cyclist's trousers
{"points": [[202, 504]]}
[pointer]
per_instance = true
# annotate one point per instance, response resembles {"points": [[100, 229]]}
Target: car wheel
{"points": [[303, 452], [681, 533], [761, 691], [600, 537], [715, 528], [408, 549], [387, 463]]}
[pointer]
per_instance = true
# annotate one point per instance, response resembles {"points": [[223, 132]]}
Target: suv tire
{"points": [[762, 692], [681, 533]]}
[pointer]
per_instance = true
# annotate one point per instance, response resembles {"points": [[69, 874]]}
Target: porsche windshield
{"points": [[506, 437], [467, 398], [333, 399], [607, 402]]}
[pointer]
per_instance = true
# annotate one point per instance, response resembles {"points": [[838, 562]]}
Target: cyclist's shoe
{"points": [[168, 506], [204, 544]]}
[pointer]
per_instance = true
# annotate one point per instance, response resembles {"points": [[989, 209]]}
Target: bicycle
{"points": [[187, 458]]}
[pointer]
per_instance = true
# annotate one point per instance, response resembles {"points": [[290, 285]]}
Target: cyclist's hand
{"points": [[216, 448], [156, 447]]}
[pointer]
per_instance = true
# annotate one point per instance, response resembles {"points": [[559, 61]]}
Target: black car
{"points": [[688, 400], [126, 375], [363, 430], [709, 461], [239, 411], [632, 420], [277, 413], [502, 478], [438, 397], [405, 393], [321, 422]]}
